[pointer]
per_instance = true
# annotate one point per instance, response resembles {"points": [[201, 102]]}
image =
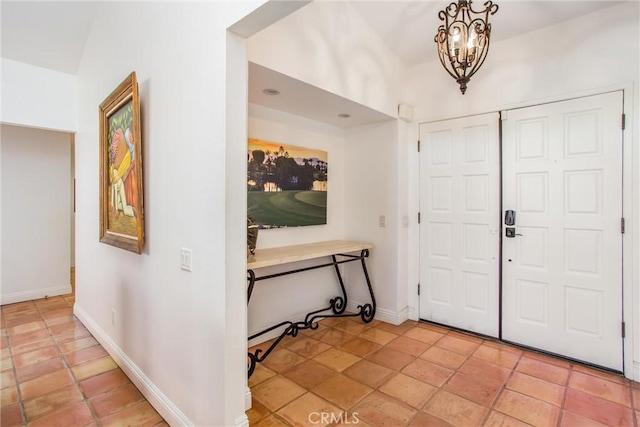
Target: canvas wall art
{"points": [[121, 201], [286, 185]]}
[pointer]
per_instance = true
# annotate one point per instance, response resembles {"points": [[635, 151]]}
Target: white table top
{"points": [[285, 254]]}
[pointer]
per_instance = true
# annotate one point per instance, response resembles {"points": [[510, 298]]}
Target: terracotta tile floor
{"points": [[54, 373], [417, 374]]}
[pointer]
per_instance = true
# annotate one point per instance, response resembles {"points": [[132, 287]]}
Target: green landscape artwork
{"points": [[286, 185]]}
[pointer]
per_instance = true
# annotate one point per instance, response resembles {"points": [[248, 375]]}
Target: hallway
{"points": [[54, 373]]}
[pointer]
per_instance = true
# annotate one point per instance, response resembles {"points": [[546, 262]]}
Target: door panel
{"points": [[562, 272], [459, 205]]}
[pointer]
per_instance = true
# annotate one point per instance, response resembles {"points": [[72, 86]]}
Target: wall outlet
{"points": [[185, 259], [382, 221]]}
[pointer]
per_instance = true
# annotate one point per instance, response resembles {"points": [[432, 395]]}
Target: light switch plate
{"points": [[185, 259]]}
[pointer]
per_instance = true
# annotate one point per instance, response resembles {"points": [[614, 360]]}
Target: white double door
{"points": [[460, 223], [558, 286]]}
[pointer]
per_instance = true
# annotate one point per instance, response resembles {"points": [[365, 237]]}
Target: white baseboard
{"points": [[382, 314], [636, 371], [413, 314], [402, 316], [34, 294], [243, 421], [156, 398], [248, 403]]}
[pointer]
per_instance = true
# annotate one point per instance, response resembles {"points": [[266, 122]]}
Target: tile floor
{"points": [[54, 373], [417, 374]]}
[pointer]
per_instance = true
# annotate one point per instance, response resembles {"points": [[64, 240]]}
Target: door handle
{"points": [[511, 232]]}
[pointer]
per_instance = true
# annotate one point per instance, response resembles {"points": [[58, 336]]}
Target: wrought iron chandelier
{"points": [[463, 39]]}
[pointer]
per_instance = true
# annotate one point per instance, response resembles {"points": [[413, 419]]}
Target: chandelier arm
{"points": [[453, 67], [480, 61], [493, 7], [466, 14], [443, 38], [489, 8], [451, 11], [482, 28]]}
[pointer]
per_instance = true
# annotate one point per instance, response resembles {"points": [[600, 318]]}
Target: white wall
{"points": [[363, 184], [407, 284], [371, 190], [554, 63], [35, 213], [328, 45], [72, 219], [291, 297], [38, 97], [174, 331], [563, 60]]}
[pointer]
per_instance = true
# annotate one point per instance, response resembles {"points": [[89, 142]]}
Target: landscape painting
{"points": [[286, 185]]}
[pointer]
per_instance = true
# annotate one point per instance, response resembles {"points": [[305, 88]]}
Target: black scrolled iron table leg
{"points": [[253, 359], [291, 329], [339, 303], [368, 311], [251, 277]]}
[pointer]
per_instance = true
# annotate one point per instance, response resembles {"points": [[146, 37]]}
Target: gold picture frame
{"points": [[121, 189]]}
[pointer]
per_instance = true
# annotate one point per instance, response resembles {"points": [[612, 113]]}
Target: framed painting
{"points": [[121, 189], [286, 185]]}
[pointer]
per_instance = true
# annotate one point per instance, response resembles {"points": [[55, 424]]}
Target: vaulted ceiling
{"points": [[52, 34]]}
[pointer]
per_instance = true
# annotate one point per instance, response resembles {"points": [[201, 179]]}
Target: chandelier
{"points": [[463, 39]]}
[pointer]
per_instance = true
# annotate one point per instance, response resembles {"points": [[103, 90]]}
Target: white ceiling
{"points": [[52, 35], [409, 27], [302, 99], [47, 34]]}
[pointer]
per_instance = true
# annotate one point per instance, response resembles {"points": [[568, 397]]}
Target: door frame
{"points": [[630, 210]]}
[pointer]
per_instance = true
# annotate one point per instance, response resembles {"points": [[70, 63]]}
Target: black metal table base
{"points": [[336, 308]]}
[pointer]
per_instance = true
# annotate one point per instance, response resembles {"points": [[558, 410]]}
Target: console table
{"points": [[339, 252]]}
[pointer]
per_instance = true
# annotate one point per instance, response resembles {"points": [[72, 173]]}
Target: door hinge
{"points": [[418, 217], [624, 329], [624, 121], [622, 225], [418, 146], [418, 288]]}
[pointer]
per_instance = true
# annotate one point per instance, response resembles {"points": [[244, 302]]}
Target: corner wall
{"points": [[35, 245], [371, 190], [172, 331]]}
